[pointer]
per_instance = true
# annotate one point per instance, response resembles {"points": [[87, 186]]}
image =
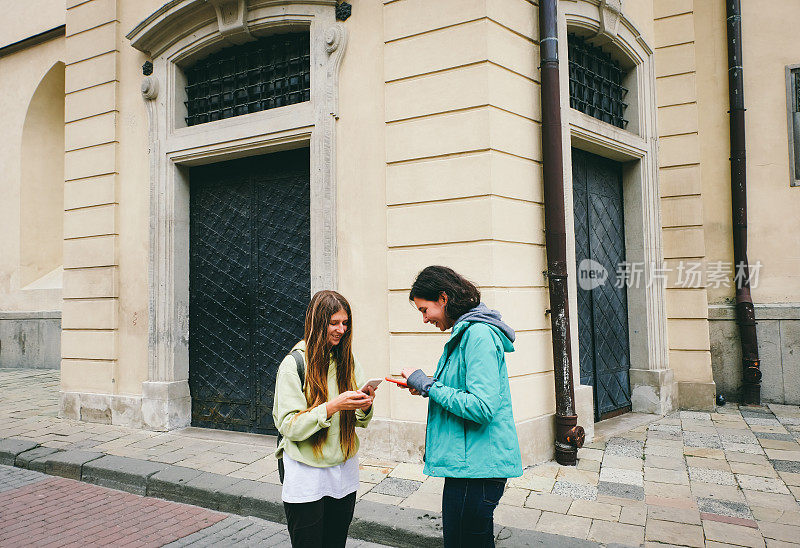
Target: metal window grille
{"points": [[595, 82], [269, 73], [794, 124], [796, 89]]}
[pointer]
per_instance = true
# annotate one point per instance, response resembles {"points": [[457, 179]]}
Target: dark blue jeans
{"points": [[468, 511]]}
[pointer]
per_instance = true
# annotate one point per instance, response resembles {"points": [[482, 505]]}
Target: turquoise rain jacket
{"points": [[471, 432]]}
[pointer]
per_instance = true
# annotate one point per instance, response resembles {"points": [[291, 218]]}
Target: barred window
{"points": [[269, 73], [595, 82], [793, 105]]}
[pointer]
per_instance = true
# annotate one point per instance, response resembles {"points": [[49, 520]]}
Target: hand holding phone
{"points": [[401, 384], [373, 383]]}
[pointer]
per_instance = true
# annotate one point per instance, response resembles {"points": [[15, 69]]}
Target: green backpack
{"points": [[301, 372]]}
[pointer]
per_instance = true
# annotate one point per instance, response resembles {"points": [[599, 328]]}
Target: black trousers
{"points": [[468, 511], [320, 524]]}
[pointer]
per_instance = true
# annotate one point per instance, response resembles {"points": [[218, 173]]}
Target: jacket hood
{"points": [[484, 314]]}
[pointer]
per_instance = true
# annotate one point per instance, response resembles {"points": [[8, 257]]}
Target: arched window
{"points": [[269, 73], [42, 184]]}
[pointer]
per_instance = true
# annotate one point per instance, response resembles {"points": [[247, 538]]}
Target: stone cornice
{"points": [[178, 18]]}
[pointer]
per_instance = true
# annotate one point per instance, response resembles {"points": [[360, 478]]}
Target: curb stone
{"points": [[27, 459], [67, 464], [214, 491], [123, 473], [169, 483], [372, 521], [10, 448], [404, 527], [263, 501]]}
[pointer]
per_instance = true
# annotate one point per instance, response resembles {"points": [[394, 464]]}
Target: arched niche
{"points": [[42, 180]]}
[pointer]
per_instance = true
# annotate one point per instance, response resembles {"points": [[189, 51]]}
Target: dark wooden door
{"points": [[249, 284], [602, 305]]}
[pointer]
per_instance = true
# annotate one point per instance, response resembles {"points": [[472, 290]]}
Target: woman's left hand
{"points": [[406, 372]]}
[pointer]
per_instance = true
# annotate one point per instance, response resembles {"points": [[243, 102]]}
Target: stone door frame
{"points": [[637, 148], [173, 37]]}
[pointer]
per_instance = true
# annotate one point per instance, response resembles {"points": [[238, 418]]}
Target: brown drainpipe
{"points": [[745, 313], [569, 436]]}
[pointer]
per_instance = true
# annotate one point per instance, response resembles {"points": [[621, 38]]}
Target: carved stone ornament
{"points": [[610, 14], [150, 87], [232, 20], [335, 41]]}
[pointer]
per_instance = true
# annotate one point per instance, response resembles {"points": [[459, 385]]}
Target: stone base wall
{"points": [[778, 331], [30, 340], [119, 410]]}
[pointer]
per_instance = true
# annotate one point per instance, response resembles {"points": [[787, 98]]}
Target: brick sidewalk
{"points": [[39, 510], [687, 479]]}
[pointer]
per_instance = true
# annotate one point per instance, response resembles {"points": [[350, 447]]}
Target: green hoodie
{"points": [[297, 427]]}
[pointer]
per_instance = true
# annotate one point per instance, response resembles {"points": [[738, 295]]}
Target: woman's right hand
{"points": [[346, 401]]}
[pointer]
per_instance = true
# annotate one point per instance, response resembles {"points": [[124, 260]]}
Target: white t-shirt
{"points": [[304, 483]]}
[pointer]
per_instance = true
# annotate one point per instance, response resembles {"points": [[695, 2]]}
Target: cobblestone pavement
{"points": [[39, 510], [731, 477]]}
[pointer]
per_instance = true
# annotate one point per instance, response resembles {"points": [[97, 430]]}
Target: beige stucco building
{"points": [[368, 146]]}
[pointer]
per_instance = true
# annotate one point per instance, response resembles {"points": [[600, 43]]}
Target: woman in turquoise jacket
{"points": [[471, 439]]}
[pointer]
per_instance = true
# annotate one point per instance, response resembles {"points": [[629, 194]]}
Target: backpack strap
{"points": [[301, 367], [301, 372]]}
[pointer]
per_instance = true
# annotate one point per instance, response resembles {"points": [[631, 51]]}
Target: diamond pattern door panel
{"points": [[603, 310], [283, 276], [581, 214], [249, 284]]}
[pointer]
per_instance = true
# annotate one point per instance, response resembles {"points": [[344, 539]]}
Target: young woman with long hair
{"points": [[471, 439], [318, 420]]}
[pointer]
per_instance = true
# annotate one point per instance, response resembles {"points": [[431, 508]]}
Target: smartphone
{"points": [[372, 382], [397, 382]]}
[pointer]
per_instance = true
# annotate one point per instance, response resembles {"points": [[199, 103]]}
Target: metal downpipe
{"points": [[569, 436], [745, 312]]}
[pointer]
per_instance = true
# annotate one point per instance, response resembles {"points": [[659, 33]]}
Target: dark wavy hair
{"points": [[462, 295]]}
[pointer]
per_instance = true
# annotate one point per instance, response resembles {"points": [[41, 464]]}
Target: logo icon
{"points": [[591, 274]]}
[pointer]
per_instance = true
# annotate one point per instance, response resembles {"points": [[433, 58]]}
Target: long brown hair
{"points": [[319, 352]]}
